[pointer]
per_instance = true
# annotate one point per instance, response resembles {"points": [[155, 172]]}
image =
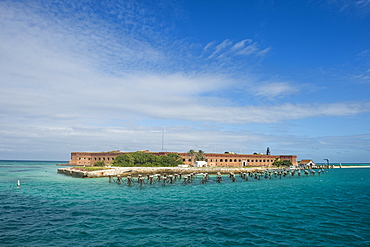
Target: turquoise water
{"points": [[346, 164], [51, 209]]}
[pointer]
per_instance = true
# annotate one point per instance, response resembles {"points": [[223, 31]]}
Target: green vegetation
{"points": [[280, 163], [99, 163], [200, 156], [142, 159], [196, 156]]}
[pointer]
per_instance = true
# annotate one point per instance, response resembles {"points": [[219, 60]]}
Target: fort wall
{"points": [[213, 159]]}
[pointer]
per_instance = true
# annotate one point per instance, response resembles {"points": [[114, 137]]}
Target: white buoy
{"points": [[19, 183]]}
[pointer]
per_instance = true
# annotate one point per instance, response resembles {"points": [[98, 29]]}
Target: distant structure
{"points": [[268, 151], [306, 163], [213, 160], [200, 164]]}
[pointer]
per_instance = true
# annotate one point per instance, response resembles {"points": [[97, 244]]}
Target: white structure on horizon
{"points": [[306, 163]]}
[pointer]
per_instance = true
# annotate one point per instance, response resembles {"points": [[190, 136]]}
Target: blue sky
{"points": [[219, 76]]}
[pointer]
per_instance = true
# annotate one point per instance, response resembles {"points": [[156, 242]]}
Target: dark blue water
{"points": [[51, 209]]}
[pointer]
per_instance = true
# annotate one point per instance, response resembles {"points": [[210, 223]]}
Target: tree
{"points": [[200, 156], [123, 160], [287, 163], [170, 159], [99, 163], [142, 159], [192, 154], [176, 158], [277, 162]]}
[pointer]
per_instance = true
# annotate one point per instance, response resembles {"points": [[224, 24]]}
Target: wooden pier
{"points": [[203, 178]]}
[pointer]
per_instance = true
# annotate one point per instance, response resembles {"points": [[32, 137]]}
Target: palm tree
{"points": [[200, 155], [277, 162], [191, 154]]}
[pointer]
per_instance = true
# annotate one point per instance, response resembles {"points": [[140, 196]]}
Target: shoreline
{"points": [[124, 171], [77, 171]]}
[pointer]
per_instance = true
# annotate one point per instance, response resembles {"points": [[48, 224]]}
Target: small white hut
{"points": [[306, 163], [200, 164]]}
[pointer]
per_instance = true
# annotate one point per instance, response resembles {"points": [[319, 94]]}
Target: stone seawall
{"points": [[124, 171]]}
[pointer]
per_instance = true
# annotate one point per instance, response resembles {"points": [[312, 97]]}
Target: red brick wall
{"points": [[227, 160]]}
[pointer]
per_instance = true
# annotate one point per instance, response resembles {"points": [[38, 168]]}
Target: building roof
{"points": [[305, 161]]}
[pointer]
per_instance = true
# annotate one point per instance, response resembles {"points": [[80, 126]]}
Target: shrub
{"points": [[99, 163]]}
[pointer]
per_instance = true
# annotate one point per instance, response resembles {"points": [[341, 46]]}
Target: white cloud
{"points": [[45, 77], [274, 89], [219, 49], [241, 44], [30, 140], [72, 82], [228, 50]]}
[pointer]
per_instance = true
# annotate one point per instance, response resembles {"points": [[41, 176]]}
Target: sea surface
{"points": [[51, 209]]}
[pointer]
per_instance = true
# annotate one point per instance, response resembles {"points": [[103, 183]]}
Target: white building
{"points": [[200, 164], [306, 163]]}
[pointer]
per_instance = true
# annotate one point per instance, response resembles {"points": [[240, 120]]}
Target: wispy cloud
{"points": [[359, 7], [219, 49], [362, 3], [54, 72], [228, 49], [274, 89], [78, 80]]}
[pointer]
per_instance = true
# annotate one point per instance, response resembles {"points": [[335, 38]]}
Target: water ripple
{"points": [[326, 210]]}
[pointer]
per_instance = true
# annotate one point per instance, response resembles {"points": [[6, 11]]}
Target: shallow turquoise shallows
{"points": [[51, 209]]}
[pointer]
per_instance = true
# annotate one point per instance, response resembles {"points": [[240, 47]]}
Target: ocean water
{"points": [[51, 209]]}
